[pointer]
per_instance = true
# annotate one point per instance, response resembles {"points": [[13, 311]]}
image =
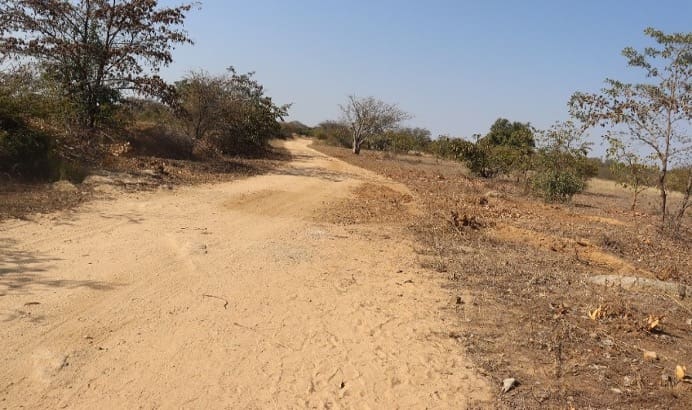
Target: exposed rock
{"points": [[632, 282], [508, 384]]}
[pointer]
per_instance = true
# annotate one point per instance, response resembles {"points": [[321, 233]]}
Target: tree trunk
{"points": [[635, 194], [356, 145], [685, 203], [663, 193]]}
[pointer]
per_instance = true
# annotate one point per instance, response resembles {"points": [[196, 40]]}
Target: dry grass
{"points": [[608, 194], [19, 199], [521, 270], [370, 203]]}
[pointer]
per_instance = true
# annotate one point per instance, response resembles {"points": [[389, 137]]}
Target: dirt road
{"points": [[225, 296]]}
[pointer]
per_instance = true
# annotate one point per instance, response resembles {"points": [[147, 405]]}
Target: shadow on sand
{"points": [[23, 272]]}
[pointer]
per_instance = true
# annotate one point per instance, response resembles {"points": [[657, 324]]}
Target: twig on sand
{"points": [[225, 305]]}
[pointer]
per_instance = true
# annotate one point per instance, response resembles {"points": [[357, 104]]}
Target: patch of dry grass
{"points": [[521, 273], [370, 203]]}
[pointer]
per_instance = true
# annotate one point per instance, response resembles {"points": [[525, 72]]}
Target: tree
{"points": [[231, 110], [95, 49], [367, 117], [200, 100], [653, 116], [628, 168], [681, 181], [561, 166], [512, 134], [507, 148]]}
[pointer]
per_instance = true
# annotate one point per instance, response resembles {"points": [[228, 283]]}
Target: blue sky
{"points": [[455, 65]]}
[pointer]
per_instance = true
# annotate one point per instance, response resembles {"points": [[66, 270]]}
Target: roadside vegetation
{"points": [[80, 94]]}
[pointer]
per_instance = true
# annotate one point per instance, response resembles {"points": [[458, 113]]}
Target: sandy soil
{"points": [[232, 295]]}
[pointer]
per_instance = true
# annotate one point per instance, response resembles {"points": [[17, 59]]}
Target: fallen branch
{"points": [[225, 305]]}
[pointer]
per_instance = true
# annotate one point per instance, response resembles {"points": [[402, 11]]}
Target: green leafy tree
{"points": [[510, 134], [506, 149], [95, 49], [653, 116]]}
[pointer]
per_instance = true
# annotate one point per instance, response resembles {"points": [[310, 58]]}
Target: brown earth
{"points": [[261, 293], [133, 172], [521, 270]]}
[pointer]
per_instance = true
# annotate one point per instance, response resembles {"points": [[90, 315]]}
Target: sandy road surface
{"points": [[225, 296]]}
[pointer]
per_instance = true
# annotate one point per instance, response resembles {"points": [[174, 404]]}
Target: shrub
{"points": [[487, 160], [333, 133], [557, 185], [26, 98], [450, 147], [161, 141], [403, 140], [230, 111], [561, 165], [288, 129], [27, 153]]}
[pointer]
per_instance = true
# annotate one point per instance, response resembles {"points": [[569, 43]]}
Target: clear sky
{"points": [[455, 65]]}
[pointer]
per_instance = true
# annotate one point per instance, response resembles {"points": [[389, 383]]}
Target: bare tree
{"points": [[367, 117], [94, 48], [653, 116]]}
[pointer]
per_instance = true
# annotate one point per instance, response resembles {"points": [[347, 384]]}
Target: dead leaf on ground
{"points": [[680, 372], [651, 356], [653, 322], [598, 313]]}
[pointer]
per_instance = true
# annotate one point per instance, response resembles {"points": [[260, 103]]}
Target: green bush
{"points": [[450, 147], [402, 140], [557, 185], [486, 160], [561, 166], [27, 153]]}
